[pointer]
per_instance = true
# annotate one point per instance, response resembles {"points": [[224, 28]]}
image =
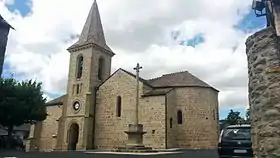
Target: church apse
{"points": [[196, 126]]}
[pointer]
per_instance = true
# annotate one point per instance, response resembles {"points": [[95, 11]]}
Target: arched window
{"points": [[179, 117], [100, 68], [171, 122], [80, 65], [119, 106]]}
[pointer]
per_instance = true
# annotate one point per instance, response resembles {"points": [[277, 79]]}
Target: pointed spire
{"points": [[92, 31]]}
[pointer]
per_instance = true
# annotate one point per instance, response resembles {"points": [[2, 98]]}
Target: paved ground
{"points": [[182, 154]]}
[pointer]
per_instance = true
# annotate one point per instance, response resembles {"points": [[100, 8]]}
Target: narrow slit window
{"points": [[171, 122], [100, 68], [119, 106], [78, 89], [214, 114], [179, 117], [80, 66]]}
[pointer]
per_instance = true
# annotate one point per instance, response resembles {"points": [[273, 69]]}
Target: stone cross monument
{"points": [[137, 69], [135, 131]]}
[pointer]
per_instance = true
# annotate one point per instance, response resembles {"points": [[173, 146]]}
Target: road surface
{"points": [[177, 154]]}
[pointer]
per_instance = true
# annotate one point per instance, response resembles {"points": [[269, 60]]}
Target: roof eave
{"points": [[186, 86], [153, 95], [54, 104], [76, 47]]}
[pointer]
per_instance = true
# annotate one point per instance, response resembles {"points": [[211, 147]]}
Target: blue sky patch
{"points": [[195, 40], [23, 6], [250, 23], [53, 95], [225, 110], [5, 72]]}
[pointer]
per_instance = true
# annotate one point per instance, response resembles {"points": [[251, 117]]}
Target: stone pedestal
{"points": [[263, 54], [135, 136], [135, 140]]}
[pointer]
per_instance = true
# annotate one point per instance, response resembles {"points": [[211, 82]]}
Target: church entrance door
{"points": [[73, 136]]}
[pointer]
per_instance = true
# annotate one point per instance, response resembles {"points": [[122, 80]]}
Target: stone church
{"points": [[177, 110]]}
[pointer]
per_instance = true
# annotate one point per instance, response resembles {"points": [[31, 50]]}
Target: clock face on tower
{"points": [[76, 106]]}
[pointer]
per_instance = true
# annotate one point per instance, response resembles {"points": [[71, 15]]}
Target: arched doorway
{"points": [[73, 136]]}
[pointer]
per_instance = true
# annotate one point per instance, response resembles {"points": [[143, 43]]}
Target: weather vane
{"points": [[270, 9]]}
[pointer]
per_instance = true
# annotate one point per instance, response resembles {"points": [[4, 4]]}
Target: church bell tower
{"points": [[90, 64]]}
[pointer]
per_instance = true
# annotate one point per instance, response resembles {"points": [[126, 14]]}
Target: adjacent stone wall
{"points": [[200, 125], [171, 120], [262, 50], [28, 141], [109, 129], [42, 135]]}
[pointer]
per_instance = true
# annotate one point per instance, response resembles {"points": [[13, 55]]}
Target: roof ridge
{"points": [[140, 78], [169, 74], [175, 73]]}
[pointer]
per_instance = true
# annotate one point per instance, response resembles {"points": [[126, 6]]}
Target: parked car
{"points": [[16, 142], [235, 140]]}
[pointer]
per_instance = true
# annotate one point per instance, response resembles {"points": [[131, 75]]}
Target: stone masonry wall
{"points": [[171, 120], [50, 129], [42, 135], [109, 129], [30, 143], [199, 129], [262, 50], [85, 96]]}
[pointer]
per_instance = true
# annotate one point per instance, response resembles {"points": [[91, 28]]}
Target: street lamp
{"points": [[259, 7]]}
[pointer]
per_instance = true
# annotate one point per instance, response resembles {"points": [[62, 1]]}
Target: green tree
{"points": [[234, 118], [20, 102], [248, 119]]}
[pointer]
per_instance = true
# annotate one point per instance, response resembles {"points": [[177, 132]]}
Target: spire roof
{"points": [[92, 31]]}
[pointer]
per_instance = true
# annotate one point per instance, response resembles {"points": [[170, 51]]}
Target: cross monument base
{"points": [[135, 135], [135, 139]]}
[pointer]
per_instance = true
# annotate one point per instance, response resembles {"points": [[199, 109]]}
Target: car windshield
{"points": [[237, 133]]}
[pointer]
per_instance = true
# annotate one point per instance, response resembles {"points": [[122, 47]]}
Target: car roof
{"points": [[238, 126]]}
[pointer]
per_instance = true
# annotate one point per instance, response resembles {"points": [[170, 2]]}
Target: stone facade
{"points": [[109, 128], [200, 117], [264, 77], [99, 105], [45, 134], [82, 90], [199, 128]]}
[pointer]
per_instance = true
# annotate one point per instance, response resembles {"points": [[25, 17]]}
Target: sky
{"points": [[206, 38]]}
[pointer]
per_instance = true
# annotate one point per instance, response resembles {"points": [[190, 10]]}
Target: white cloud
{"points": [[138, 31], [9, 2]]}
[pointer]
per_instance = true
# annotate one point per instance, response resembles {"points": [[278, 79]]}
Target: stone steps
{"points": [[135, 149]]}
